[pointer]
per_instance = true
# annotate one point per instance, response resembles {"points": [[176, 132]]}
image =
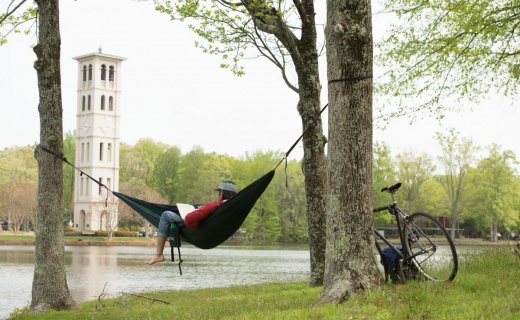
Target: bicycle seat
{"points": [[393, 188]]}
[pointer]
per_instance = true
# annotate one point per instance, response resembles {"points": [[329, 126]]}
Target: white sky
{"points": [[174, 93]]}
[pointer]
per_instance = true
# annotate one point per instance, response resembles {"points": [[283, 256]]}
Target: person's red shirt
{"points": [[193, 218]]}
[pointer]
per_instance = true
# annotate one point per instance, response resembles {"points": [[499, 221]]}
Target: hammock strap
{"points": [[172, 248], [351, 79], [82, 173], [285, 157], [300, 138]]}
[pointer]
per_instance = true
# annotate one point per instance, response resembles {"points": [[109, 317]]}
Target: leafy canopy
{"points": [[448, 49], [17, 18], [230, 29]]}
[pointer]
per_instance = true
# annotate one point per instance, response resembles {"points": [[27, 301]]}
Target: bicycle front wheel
{"points": [[433, 254]]}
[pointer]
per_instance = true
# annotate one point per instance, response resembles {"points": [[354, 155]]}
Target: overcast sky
{"points": [[174, 93]]}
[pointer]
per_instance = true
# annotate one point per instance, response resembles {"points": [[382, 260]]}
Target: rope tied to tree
{"points": [[81, 172], [295, 143]]}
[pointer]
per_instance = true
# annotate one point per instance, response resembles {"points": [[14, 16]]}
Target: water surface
{"points": [[112, 270]]}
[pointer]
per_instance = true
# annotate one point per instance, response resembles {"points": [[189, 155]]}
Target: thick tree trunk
{"points": [[49, 288], [350, 265]]}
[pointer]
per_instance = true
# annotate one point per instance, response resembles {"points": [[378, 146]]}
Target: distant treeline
{"points": [[473, 196]]}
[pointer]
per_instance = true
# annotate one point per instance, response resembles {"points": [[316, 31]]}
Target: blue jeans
{"points": [[167, 218]]}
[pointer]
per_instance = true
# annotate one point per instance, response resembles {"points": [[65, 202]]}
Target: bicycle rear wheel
{"points": [[433, 253]]}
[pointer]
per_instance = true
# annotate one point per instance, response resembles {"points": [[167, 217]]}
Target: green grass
{"points": [[100, 239], [486, 287], [14, 238]]}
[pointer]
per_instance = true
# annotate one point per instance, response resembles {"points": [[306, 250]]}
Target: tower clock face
{"points": [[85, 127], [107, 128]]}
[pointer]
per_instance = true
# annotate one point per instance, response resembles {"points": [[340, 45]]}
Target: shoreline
{"points": [[152, 243]]}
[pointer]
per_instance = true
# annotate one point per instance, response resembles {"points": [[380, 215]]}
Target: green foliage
{"points": [[160, 173], [18, 174], [17, 165], [496, 189], [291, 206], [230, 29], [433, 200], [383, 175], [19, 18], [441, 50], [165, 171], [413, 171], [69, 152], [263, 222], [139, 161], [457, 156], [188, 175]]}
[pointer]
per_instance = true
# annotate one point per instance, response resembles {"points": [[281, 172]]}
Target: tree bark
{"points": [[314, 162], [314, 170], [350, 265], [49, 288]]}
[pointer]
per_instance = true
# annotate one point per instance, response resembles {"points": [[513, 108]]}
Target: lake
{"points": [[116, 269]]}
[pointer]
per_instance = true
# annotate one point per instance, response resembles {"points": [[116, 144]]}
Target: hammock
{"points": [[217, 227]]}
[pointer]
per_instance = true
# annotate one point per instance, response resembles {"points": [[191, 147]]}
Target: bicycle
{"points": [[426, 252]]}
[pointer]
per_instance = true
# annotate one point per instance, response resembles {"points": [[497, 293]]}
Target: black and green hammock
{"points": [[213, 230], [217, 227]]}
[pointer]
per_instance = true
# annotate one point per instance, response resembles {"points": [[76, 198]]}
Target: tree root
{"points": [[123, 299]]}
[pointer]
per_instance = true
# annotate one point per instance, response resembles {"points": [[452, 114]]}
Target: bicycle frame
{"points": [[400, 216]]}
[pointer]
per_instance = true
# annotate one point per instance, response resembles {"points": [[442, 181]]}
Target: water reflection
{"points": [[90, 270]]}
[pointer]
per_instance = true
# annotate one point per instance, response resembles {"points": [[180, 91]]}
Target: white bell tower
{"points": [[97, 141]]}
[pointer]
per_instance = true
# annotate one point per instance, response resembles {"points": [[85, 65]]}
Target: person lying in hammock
{"points": [[226, 189]]}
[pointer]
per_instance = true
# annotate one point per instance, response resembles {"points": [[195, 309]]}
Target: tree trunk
{"points": [[49, 288], [453, 234], [314, 169], [305, 58], [350, 265]]}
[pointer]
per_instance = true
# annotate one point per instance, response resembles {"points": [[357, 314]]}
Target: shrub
{"points": [[125, 233], [72, 233], [101, 233]]}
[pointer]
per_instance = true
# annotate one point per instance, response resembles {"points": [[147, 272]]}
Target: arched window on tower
{"points": [[84, 73], [111, 103], [111, 73], [88, 102], [83, 103], [89, 72], [103, 72], [103, 102]]}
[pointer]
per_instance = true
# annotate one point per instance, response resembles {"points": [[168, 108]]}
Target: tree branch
{"points": [[9, 13]]}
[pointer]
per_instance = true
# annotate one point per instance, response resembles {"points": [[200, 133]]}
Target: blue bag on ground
{"points": [[391, 256]]}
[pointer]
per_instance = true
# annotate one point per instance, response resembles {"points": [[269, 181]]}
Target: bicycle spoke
{"points": [[433, 252]]}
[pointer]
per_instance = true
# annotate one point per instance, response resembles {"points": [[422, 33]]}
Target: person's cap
{"points": [[227, 185]]}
